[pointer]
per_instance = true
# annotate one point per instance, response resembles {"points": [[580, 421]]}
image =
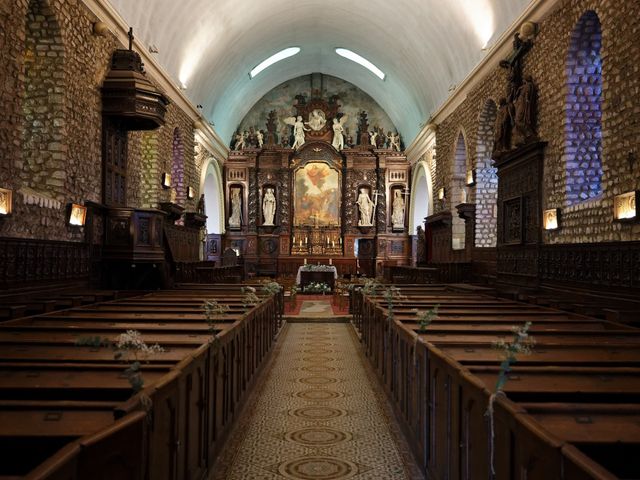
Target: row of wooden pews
{"points": [[571, 409], [67, 410]]}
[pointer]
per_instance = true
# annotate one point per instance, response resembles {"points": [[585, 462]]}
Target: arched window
{"points": [[583, 111], [458, 193], [44, 132], [177, 167], [486, 177]]}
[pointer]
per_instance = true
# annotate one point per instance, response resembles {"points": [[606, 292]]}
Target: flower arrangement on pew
{"points": [[213, 310], [317, 287], [129, 347], [271, 288], [425, 317], [391, 294], [522, 344], [250, 298]]}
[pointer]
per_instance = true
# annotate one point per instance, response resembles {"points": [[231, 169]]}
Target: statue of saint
{"points": [[269, 207], [298, 130], [260, 138], [365, 205], [338, 132], [421, 251], [200, 207], [502, 134], [397, 215], [235, 220], [525, 111]]}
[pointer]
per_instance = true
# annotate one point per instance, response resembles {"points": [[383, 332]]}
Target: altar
{"points": [[316, 273]]}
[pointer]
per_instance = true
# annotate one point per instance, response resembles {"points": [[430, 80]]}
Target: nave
{"points": [[320, 414]]}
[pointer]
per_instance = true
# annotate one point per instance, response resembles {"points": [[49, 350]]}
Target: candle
{"points": [[294, 239], [340, 240], [331, 261], [333, 243], [305, 261], [306, 239], [300, 242], [327, 241]]}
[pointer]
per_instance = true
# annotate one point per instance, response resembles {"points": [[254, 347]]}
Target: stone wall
{"points": [[51, 71], [584, 219]]}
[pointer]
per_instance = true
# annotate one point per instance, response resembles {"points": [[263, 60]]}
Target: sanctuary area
{"points": [[319, 240]]}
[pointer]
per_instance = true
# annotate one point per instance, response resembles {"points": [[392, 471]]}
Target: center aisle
{"points": [[318, 415]]}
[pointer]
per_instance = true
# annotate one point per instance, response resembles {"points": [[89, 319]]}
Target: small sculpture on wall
{"points": [[235, 219], [397, 215], [525, 112], [269, 207], [338, 132], [298, 130], [259, 138], [366, 208]]}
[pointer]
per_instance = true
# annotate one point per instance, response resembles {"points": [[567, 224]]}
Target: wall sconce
{"points": [[166, 180], [6, 201], [190, 193], [441, 193], [77, 215], [624, 206], [471, 177], [551, 219]]}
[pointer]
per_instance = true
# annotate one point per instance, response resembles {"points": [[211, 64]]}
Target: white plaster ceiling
{"points": [[423, 46]]}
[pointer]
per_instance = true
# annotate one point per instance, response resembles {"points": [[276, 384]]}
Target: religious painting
{"points": [[317, 195]]}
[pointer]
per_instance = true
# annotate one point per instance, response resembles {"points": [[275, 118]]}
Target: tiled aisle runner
{"points": [[317, 416]]}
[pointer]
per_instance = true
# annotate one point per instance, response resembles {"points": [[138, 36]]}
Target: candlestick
{"points": [[300, 242]]}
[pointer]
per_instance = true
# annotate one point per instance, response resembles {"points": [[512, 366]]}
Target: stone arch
{"points": [[421, 203], [458, 192], [486, 174], [177, 167], [583, 111], [44, 139], [211, 186]]}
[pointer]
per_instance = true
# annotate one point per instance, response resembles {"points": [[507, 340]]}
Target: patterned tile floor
{"points": [[318, 415]]}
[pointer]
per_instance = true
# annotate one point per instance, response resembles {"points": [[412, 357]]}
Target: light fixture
{"points": [[281, 55], [77, 215], [441, 193], [190, 192], [624, 206], [354, 57], [551, 219], [471, 177], [6, 201], [166, 180]]}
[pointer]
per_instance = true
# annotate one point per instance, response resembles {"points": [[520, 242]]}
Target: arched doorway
{"points": [[213, 209]]}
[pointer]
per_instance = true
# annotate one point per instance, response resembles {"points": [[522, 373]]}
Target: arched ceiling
{"points": [[423, 46]]}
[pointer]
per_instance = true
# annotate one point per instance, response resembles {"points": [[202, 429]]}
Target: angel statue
{"points": [[394, 142], [338, 132], [239, 141], [298, 130], [260, 138], [373, 138]]}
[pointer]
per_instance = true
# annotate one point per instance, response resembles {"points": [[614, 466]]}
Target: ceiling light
{"points": [[281, 55], [354, 57]]}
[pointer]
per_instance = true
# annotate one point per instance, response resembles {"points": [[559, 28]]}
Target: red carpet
{"points": [[294, 309]]}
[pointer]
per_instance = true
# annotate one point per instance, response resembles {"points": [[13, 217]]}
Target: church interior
{"points": [[319, 240]]}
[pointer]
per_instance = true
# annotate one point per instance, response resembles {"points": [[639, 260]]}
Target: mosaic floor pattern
{"points": [[318, 415]]}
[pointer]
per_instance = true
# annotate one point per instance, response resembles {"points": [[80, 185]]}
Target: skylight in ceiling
{"points": [[281, 55], [354, 57]]}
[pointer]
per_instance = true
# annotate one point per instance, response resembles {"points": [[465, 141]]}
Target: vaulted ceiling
{"points": [[423, 46]]}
